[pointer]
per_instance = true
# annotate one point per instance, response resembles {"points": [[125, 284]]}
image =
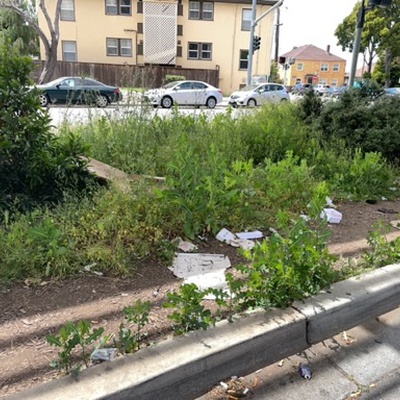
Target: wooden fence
{"points": [[148, 76]]}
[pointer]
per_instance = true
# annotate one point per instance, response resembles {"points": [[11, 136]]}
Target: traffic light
{"points": [[256, 43], [381, 3], [282, 60]]}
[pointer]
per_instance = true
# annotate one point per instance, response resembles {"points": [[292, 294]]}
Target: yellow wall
{"points": [[311, 67], [92, 26]]}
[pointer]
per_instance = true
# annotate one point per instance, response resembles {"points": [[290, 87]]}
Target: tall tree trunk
{"points": [[50, 63]]}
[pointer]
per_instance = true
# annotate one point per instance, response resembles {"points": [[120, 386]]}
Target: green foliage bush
{"points": [[371, 126], [35, 167]]}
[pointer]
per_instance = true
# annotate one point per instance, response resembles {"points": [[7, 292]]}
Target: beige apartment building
{"points": [[313, 65], [181, 33]]}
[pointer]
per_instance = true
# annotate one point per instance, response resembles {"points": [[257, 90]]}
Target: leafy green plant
{"points": [[36, 167], [289, 265], [189, 314], [129, 341], [381, 251], [70, 336]]}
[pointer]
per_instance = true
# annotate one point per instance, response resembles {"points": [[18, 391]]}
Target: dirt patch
{"points": [[30, 312]]}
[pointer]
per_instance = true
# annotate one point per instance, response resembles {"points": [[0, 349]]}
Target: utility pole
{"points": [[357, 42], [278, 24], [254, 22], [360, 25]]}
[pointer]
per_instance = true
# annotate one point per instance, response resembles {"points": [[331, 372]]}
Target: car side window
{"points": [[184, 86], [198, 85]]}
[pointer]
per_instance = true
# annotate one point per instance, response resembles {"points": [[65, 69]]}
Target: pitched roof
{"points": [[311, 52]]}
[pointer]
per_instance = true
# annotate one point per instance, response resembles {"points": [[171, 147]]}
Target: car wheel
{"points": [[166, 102], [251, 103], [283, 100], [43, 100], [211, 102], [101, 101]]}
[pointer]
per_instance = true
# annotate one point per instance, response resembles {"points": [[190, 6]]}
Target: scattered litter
{"points": [[305, 217], [331, 215], [245, 244], [280, 363], [250, 235], [204, 270], [184, 245], [104, 354], [89, 267], [224, 385], [395, 224], [305, 371], [347, 338], [225, 236], [155, 293], [191, 264], [124, 295], [329, 202], [235, 388]]}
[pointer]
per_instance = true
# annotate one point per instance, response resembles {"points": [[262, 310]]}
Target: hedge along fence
{"points": [[149, 76]]}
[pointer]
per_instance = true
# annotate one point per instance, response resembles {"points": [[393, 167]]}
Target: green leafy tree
{"points": [[35, 166], [380, 34], [21, 34], [28, 11]]}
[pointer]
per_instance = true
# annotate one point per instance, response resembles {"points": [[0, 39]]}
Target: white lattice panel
{"points": [[159, 29]]}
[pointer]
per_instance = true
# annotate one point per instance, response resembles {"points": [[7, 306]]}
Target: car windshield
{"points": [[56, 81], [249, 88]]}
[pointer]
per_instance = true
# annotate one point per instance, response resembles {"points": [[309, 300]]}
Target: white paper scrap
{"points": [[225, 236], [250, 235], [189, 264]]}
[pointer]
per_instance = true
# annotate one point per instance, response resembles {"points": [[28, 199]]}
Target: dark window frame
{"points": [[118, 47], [201, 10], [200, 51], [119, 7], [243, 28], [242, 60], [63, 11]]}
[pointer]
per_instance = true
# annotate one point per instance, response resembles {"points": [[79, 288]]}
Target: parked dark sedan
{"points": [[78, 90]]}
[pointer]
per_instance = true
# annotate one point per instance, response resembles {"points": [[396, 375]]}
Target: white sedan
{"points": [[254, 95], [184, 93]]}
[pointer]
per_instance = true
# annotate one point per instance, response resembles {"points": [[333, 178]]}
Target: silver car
{"points": [[254, 95], [184, 93]]}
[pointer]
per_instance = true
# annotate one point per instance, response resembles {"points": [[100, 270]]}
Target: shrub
{"points": [[35, 167]]}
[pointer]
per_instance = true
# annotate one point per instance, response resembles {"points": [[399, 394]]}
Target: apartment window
{"points": [[324, 67], [69, 51], [119, 47], [140, 27], [201, 10], [300, 67], [200, 51], [243, 59], [323, 82], [67, 11], [336, 67], [180, 7], [118, 7], [179, 51], [246, 19], [140, 7], [140, 49], [179, 30], [334, 82]]}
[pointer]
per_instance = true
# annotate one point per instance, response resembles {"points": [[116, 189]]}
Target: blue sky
{"points": [[314, 22]]}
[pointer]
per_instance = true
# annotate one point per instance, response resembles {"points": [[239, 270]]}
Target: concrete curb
{"points": [[186, 367]]}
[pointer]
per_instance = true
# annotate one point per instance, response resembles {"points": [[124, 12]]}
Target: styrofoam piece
{"points": [[250, 235], [331, 215]]}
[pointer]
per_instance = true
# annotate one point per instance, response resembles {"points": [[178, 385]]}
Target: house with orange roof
{"points": [[310, 64]]}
